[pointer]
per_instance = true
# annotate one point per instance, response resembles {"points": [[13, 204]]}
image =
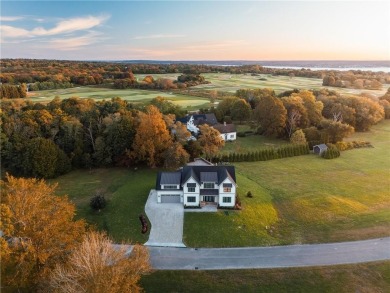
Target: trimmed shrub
{"points": [[331, 153], [98, 202]]}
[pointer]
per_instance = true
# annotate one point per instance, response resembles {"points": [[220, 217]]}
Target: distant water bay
{"points": [[375, 66]]}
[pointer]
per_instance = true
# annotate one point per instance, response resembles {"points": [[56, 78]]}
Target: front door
{"points": [[208, 198]]}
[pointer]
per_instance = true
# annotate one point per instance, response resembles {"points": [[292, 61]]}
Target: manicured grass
{"points": [[305, 199], [132, 95], [126, 190], [232, 82], [371, 277], [251, 143]]}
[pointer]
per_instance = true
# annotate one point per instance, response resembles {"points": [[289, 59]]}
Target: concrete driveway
{"points": [[167, 222]]}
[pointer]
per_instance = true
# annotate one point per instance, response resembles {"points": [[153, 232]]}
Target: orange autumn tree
{"points": [[152, 137], [98, 266], [210, 140], [39, 231]]}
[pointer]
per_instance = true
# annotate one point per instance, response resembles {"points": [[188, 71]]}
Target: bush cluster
{"points": [[265, 154], [349, 145], [331, 153], [98, 202]]}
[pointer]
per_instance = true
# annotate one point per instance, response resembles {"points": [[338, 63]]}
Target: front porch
{"points": [[204, 208]]}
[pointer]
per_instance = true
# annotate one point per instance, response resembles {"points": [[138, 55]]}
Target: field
{"points": [[132, 95], [232, 82], [302, 199], [305, 199], [126, 191], [372, 277], [219, 81]]}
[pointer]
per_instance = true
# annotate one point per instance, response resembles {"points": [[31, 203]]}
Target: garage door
{"points": [[170, 198]]}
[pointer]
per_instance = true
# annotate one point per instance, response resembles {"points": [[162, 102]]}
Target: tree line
{"points": [[45, 141], [323, 116], [51, 74]]}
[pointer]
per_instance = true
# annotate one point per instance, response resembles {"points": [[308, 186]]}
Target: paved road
{"points": [[169, 258], [167, 222]]}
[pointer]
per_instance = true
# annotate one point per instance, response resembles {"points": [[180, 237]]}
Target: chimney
{"points": [[224, 123]]}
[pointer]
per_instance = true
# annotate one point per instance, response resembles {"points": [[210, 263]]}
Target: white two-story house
{"points": [[195, 186]]}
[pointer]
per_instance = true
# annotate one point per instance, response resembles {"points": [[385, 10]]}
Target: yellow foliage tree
{"points": [[210, 140], [152, 137], [99, 266], [38, 231]]}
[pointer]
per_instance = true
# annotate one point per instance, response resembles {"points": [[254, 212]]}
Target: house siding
{"points": [[187, 194], [229, 136], [231, 194]]}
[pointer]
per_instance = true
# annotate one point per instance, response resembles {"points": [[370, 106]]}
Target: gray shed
{"points": [[319, 148]]}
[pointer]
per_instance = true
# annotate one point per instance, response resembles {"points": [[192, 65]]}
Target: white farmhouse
{"points": [[227, 131], [196, 186]]}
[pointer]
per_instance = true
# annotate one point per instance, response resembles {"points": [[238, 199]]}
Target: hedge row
{"points": [[264, 154], [349, 145]]}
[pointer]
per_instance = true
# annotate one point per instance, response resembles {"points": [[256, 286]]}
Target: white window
{"points": [[170, 186], [208, 185], [191, 187], [227, 199], [227, 187], [191, 199], [231, 135]]}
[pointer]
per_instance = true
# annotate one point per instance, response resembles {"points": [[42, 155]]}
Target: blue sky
{"points": [[196, 30]]}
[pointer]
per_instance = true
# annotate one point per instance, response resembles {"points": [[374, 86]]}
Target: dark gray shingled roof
{"points": [[167, 178], [200, 119], [170, 178], [222, 172], [180, 177], [225, 128], [208, 177]]}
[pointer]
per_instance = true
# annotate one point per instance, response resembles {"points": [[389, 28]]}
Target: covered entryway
{"points": [[170, 198]]}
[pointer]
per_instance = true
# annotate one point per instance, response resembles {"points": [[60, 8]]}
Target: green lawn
{"points": [[231, 82], [132, 95], [126, 191], [305, 199], [372, 277]]}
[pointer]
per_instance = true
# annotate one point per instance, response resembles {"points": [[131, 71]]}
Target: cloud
{"points": [[74, 43], [159, 36], [10, 18], [62, 27], [10, 31]]}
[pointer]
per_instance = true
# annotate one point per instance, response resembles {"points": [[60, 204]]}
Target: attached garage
{"points": [[170, 198]]}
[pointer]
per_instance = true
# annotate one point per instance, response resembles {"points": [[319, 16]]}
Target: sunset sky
{"points": [[196, 30]]}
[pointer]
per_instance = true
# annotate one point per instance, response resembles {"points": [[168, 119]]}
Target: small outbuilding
{"points": [[320, 148]]}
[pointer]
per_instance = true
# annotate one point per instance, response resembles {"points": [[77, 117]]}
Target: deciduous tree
{"points": [[99, 266], [39, 229], [271, 116], [240, 110], [152, 137], [210, 140], [175, 156]]}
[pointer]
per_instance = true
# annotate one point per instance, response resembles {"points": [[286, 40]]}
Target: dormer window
{"points": [[208, 185]]}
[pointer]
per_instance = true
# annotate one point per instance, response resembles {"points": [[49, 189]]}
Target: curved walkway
{"points": [[168, 258]]}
